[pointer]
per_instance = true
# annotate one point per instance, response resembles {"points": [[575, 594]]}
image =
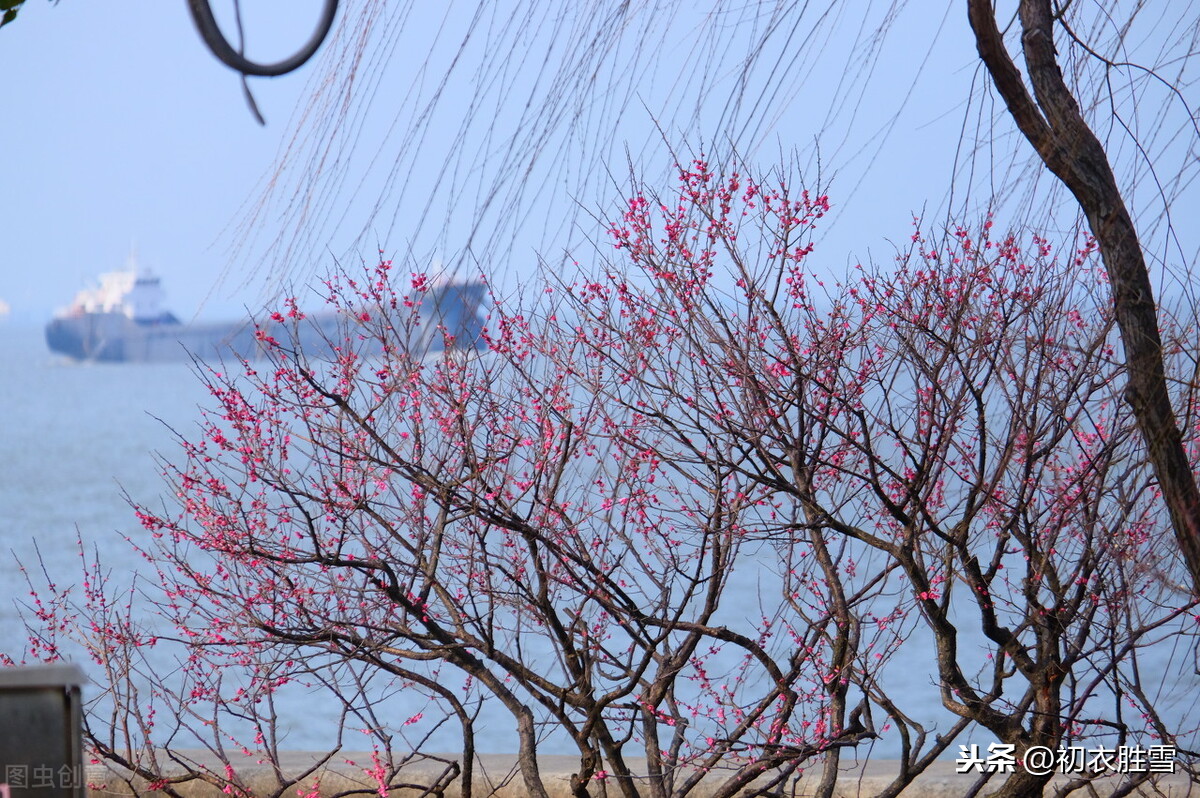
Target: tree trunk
{"points": [[1053, 124], [1022, 784]]}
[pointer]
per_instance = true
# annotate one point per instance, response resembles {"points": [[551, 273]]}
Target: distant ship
{"points": [[122, 321]]}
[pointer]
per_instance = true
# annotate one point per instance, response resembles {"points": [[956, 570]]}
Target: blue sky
{"points": [[489, 154], [121, 128]]}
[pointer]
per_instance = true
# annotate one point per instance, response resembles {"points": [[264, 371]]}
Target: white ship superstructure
{"points": [[133, 292], [122, 320]]}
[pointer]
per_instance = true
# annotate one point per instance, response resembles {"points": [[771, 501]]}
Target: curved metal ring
{"points": [[206, 23]]}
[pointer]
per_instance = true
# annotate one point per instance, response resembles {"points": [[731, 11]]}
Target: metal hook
{"points": [[206, 23]]}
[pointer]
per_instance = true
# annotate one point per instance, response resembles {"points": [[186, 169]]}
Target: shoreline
{"points": [[496, 774]]}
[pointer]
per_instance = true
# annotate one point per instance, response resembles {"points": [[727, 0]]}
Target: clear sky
{"points": [[121, 129], [483, 136]]}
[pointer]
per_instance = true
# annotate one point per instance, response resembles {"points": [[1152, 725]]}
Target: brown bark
{"points": [[1022, 784], [1053, 124]]}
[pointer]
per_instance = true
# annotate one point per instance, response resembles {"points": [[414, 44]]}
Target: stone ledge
{"points": [[496, 775]]}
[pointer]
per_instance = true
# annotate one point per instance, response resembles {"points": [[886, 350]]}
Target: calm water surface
{"points": [[74, 436]]}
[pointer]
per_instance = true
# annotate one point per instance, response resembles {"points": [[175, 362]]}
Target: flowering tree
{"points": [[1051, 119], [682, 513]]}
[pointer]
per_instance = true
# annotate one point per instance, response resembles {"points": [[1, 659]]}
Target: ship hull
{"points": [[115, 338]]}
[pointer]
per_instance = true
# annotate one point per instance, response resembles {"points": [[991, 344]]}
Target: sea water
{"points": [[77, 438]]}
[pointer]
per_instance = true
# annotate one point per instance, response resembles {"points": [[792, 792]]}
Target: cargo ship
{"points": [[123, 321]]}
